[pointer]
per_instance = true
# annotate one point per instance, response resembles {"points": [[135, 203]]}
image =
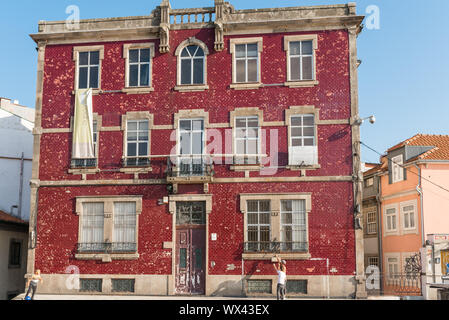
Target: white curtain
{"points": [[124, 222], [83, 141], [93, 223]]}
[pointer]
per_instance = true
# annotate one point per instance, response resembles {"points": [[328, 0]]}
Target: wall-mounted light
{"points": [[359, 121]]}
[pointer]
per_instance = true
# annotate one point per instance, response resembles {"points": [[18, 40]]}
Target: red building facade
{"points": [[218, 144]]}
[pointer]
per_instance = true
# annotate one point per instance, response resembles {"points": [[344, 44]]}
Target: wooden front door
{"points": [[190, 248]]}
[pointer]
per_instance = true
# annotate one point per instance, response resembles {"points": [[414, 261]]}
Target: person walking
{"points": [[33, 282], [281, 270]]}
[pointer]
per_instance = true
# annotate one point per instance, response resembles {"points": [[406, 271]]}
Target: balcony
{"points": [[136, 162], [107, 248], [83, 163], [189, 169]]}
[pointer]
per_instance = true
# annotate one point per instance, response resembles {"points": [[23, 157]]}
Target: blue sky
{"points": [[403, 80]]}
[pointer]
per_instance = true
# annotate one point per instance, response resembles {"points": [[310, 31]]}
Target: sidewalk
{"points": [[45, 297]]}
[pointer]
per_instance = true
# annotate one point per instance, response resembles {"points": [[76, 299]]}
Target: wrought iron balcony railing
{"points": [[189, 166], [115, 247], [83, 163], [136, 162], [275, 247]]}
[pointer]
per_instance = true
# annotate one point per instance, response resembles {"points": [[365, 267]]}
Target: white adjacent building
{"points": [[16, 152]]}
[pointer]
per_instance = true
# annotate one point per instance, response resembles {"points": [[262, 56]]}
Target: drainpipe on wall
{"points": [[423, 241], [22, 159], [379, 228]]}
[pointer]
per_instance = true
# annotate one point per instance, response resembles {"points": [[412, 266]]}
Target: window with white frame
{"points": [[408, 216], [371, 222], [293, 225], [258, 225], [301, 58], [246, 63], [373, 261], [369, 182], [124, 226], [302, 130], [137, 147], [192, 65], [92, 227], [139, 67], [397, 169], [247, 133], [391, 219], [393, 268], [88, 70], [108, 225], [191, 142]]}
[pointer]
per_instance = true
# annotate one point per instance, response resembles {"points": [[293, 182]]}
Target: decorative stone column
{"points": [[164, 32]]}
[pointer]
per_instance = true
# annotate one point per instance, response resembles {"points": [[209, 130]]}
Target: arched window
{"points": [[192, 65]]}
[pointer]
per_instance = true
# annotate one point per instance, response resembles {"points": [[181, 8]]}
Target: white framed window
{"points": [[371, 222], [125, 224], [409, 215], [393, 264], [88, 61], [391, 219], [373, 261], [247, 140], [108, 227], [369, 182], [258, 225], [191, 147], [302, 130], [293, 225], [396, 168], [301, 60], [137, 147], [92, 226], [246, 62]]}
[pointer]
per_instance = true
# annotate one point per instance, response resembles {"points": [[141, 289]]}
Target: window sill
{"points": [[95, 92], [191, 88], [269, 256], [84, 171], [299, 168], [190, 179], [301, 84], [136, 170], [246, 167], [246, 86], [137, 90], [103, 257]]}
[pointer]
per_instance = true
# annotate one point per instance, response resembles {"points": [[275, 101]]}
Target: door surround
{"points": [[173, 199]]}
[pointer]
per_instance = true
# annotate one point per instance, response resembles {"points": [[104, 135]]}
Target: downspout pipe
{"points": [[420, 192]]}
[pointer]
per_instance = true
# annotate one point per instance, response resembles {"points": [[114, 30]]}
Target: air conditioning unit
{"points": [[303, 156]]}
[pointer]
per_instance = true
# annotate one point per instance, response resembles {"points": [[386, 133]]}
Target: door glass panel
{"points": [[183, 258], [198, 258]]}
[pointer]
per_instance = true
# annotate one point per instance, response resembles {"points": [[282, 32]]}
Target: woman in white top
{"points": [[33, 282], [281, 270]]}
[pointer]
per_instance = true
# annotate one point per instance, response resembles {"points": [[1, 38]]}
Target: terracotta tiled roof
{"points": [[439, 142], [4, 217], [374, 169]]}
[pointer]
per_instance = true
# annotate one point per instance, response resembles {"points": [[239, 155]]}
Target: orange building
{"points": [[414, 206]]}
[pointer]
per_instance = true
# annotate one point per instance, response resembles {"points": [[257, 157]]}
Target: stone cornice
{"points": [[227, 21]]}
